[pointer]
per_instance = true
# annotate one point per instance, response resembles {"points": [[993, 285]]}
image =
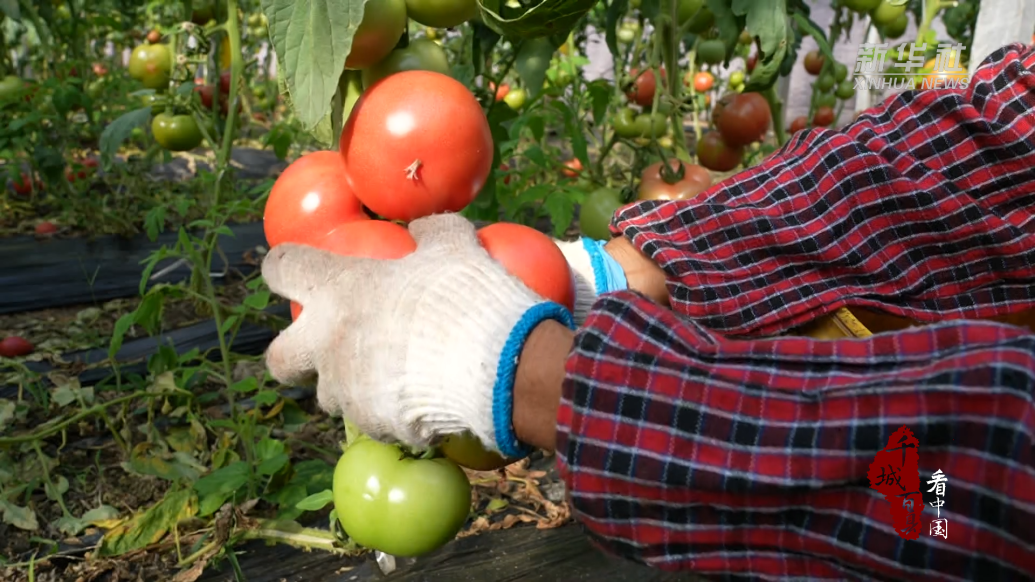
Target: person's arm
{"points": [[923, 197], [687, 451]]}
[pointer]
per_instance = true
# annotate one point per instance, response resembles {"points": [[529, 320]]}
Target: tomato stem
{"points": [[412, 169]]}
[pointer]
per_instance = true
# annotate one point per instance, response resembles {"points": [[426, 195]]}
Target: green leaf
{"points": [[10, 8], [20, 517], [227, 324], [548, 18], [767, 20], [615, 13], [562, 212], [120, 129], [533, 58], [258, 300], [312, 39], [316, 501], [122, 325], [265, 397], [100, 514], [728, 23], [7, 408], [69, 525], [218, 486], [149, 527]]}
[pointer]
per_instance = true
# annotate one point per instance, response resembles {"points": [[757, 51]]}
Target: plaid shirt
{"points": [[745, 458]]}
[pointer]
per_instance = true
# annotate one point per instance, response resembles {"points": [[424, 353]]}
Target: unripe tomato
{"points": [[372, 239], [11, 88], [384, 22], [801, 122], [596, 212], [840, 72], [823, 117], [860, 6], [441, 13], [886, 13], [713, 153], [625, 35], [648, 125], [203, 11], [625, 123], [654, 187], [896, 28], [433, 146], [846, 90], [742, 118], [402, 506], [176, 133], [420, 55], [711, 52], [745, 38], [466, 450], [695, 12], [516, 98], [736, 78], [310, 198], [814, 62], [15, 347], [643, 86], [826, 100], [573, 167], [532, 257], [703, 81], [154, 101], [825, 83], [151, 64]]}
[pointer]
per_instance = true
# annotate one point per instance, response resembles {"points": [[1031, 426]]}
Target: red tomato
{"points": [[814, 62], [504, 168], [225, 81], [411, 153], [100, 69], [532, 257], [501, 91], [310, 199], [46, 227], [703, 81], [752, 62], [801, 122], [823, 117], [154, 37], [643, 87], [572, 168], [742, 118], [15, 347], [373, 239], [715, 154], [22, 185], [654, 187]]}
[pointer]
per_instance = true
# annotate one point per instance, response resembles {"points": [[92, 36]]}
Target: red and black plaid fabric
{"points": [[747, 458]]}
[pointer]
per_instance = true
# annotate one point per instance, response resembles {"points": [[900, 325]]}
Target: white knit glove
{"points": [[595, 273], [412, 349]]}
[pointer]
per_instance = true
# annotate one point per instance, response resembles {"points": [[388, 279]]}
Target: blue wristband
{"points": [[503, 390], [607, 273]]}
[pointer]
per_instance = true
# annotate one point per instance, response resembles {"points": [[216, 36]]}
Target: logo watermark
{"points": [[944, 71], [895, 473]]}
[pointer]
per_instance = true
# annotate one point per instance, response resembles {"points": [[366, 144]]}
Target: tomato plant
{"points": [[310, 199], [713, 153], [400, 505], [176, 132], [675, 180], [410, 153], [532, 257]]}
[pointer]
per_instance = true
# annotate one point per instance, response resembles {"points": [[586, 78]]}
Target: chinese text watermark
{"points": [[907, 64]]}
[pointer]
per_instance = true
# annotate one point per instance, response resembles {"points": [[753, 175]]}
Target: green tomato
{"points": [[826, 100], [441, 13], [176, 133], [516, 98], [845, 90], [736, 78], [711, 52], [626, 35], [825, 82], [625, 123], [745, 38], [384, 22], [896, 28], [840, 72], [152, 65], [648, 125], [255, 19], [11, 88], [596, 213], [259, 92], [695, 16], [95, 88], [420, 55], [155, 101], [860, 6], [401, 506], [203, 11], [885, 13], [137, 133]]}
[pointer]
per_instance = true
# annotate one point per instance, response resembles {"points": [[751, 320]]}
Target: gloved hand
{"points": [[412, 349], [594, 270]]}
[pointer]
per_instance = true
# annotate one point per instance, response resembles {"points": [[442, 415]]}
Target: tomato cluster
{"points": [[740, 119], [832, 84]]}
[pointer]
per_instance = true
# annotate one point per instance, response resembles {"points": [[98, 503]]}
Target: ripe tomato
{"points": [[46, 228], [412, 153], [399, 505], [703, 81], [742, 118], [654, 187], [644, 84], [154, 37], [176, 133], [713, 153], [516, 98], [501, 91], [801, 122], [15, 347], [420, 55], [596, 212], [151, 64], [22, 185], [823, 117], [505, 169], [532, 257], [886, 12], [384, 22], [572, 168], [752, 62], [372, 239], [466, 450], [310, 199], [226, 79], [814, 62], [100, 69], [442, 13]]}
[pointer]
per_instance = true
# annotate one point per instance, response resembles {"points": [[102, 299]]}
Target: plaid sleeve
{"points": [[748, 460], [922, 200]]}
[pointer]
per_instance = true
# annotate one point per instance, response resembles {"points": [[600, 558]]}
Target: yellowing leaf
{"points": [[150, 526]]}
